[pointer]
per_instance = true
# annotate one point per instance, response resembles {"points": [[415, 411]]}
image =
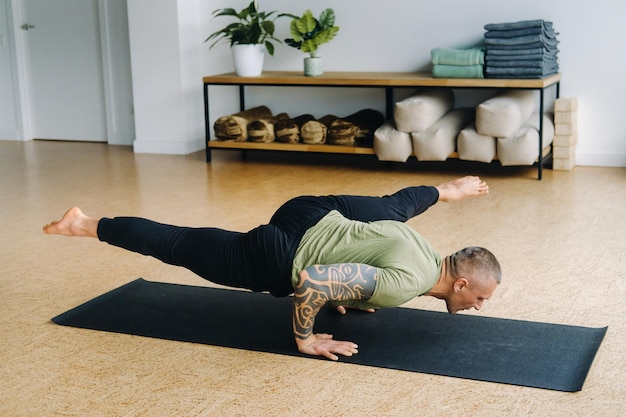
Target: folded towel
{"points": [[457, 71], [490, 48], [453, 56], [519, 25]]}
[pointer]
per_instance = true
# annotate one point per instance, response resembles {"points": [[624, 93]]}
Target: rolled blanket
{"points": [[235, 126], [355, 129], [262, 130], [314, 132], [288, 130], [453, 56], [457, 71]]}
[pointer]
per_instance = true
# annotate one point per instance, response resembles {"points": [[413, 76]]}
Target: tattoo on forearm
{"points": [[325, 283]]}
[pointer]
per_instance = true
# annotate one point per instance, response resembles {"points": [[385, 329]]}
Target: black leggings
{"points": [[261, 259]]}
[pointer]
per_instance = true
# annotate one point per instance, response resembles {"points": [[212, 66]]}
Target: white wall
{"points": [[397, 35], [9, 115]]}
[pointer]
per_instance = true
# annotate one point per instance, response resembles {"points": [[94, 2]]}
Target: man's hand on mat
{"points": [[322, 344]]}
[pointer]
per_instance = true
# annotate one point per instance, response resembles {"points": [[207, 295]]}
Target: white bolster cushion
{"points": [[392, 145], [472, 146], [422, 109], [522, 148], [504, 114], [438, 141]]}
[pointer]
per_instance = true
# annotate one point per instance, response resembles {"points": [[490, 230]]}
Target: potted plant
{"points": [[249, 37], [309, 33]]}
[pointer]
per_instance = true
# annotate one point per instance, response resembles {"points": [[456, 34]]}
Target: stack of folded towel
{"points": [[525, 49], [457, 63]]}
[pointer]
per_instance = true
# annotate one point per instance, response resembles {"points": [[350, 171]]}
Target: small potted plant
{"points": [[249, 37], [309, 33]]}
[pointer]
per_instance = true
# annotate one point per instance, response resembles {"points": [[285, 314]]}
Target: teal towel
{"points": [[458, 71], [453, 56]]}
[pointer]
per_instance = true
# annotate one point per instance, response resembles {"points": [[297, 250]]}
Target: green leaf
{"points": [[327, 18]]}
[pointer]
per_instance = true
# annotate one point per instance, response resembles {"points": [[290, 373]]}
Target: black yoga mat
{"points": [[514, 352]]}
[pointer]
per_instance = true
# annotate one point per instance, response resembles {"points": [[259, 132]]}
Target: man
{"points": [[350, 251]]}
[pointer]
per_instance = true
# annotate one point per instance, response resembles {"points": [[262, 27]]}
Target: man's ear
{"points": [[460, 284]]}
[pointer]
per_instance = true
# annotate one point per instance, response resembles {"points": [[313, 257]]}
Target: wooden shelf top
{"points": [[372, 79]]}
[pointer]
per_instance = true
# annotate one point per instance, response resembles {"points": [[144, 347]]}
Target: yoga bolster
{"points": [[438, 141], [392, 145], [521, 148], [505, 113], [472, 146], [422, 109]]}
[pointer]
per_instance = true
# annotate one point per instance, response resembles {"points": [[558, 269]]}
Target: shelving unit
{"points": [[387, 80]]}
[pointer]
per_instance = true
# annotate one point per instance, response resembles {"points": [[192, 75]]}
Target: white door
{"points": [[64, 69]]}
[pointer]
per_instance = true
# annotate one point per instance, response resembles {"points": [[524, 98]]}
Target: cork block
{"points": [[565, 140], [565, 130], [563, 164], [566, 117], [566, 104], [564, 152]]}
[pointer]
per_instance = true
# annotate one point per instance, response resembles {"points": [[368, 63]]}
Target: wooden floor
{"points": [[561, 241]]}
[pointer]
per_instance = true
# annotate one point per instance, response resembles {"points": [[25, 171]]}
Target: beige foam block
{"points": [[566, 117], [564, 152], [565, 130], [566, 104], [565, 140], [563, 164]]}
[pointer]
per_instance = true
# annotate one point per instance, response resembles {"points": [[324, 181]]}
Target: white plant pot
{"points": [[313, 66], [248, 59]]}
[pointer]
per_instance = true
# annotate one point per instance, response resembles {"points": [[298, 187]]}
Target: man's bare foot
{"points": [[461, 188], [73, 223]]}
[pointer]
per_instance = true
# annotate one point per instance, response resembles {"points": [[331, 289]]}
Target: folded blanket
{"points": [[527, 51], [457, 71], [525, 57], [519, 25], [522, 63], [453, 56], [522, 40], [497, 72], [490, 47], [512, 33]]}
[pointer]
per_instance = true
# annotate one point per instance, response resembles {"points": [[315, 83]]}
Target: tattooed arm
{"points": [[319, 284]]}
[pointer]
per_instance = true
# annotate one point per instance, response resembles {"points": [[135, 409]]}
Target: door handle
{"points": [[26, 26]]}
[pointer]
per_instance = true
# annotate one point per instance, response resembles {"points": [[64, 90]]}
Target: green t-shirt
{"points": [[407, 265]]}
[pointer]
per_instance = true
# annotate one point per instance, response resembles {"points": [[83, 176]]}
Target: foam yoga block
{"points": [[502, 115], [438, 141], [392, 145], [422, 109], [522, 147], [472, 146]]}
